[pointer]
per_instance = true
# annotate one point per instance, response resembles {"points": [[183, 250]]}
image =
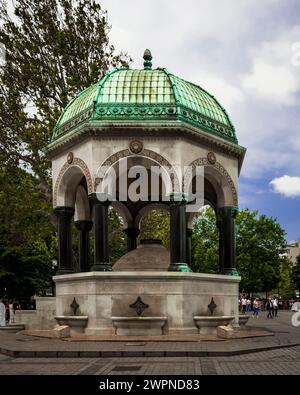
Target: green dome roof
{"points": [[126, 95]]}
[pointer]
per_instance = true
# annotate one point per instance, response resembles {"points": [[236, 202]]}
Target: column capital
{"points": [[227, 210], [231, 271], [84, 225], [178, 198]]}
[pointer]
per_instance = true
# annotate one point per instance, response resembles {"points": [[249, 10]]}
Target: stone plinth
{"points": [[77, 324], [139, 326], [208, 325], [178, 296]]}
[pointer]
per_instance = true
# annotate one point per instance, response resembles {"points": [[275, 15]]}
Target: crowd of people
{"points": [[7, 311], [256, 305]]}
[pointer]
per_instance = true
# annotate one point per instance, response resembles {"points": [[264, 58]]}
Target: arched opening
{"points": [[137, 185], [155, 224], [210, 230], [73, 211], [205, 241]]}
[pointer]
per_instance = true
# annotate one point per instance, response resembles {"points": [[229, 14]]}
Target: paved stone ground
{"points": [[279, 361]]}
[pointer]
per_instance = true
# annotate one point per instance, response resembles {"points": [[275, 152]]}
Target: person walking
{"points": [[248, 305], [269, 308], [275, 306], [11, 312], [2, 313], [244, 304], [255, 308]]}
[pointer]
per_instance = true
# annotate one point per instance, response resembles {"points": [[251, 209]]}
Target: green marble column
{"points": [[84, 228], [226, 225], [100, 219], [65, 257], [178, 233], [189, 246]]}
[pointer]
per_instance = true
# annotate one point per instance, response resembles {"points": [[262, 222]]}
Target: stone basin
{"points": [[243, 319], [207, 325], [139, 326], [77, 323]]}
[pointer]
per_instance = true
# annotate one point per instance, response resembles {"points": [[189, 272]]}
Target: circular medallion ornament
{"points": [[211, 157], [136, 146], [70, 157]]}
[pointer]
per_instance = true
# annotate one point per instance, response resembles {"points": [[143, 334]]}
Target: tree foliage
{"points": [[205, 243], [54, 50], [27, 240], [260, 241], [285, 286], [156, 225], [117, 239]]}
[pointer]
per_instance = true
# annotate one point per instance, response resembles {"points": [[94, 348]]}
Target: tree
{"points": [[54, 50], [259, 244], [205, 243], [156, 225], [296, 274], [27, 239], [117, 239], [285, 286], [25, 271]]}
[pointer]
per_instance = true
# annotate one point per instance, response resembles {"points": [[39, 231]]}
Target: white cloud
{"points": [[287, 186], [274, 76], [240, 51], [272, 82]]}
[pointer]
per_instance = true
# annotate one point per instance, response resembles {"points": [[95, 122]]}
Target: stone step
{"points": [[12, 328]]}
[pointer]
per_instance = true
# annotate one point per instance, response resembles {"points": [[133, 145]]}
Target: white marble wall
{"points": [[178, 296], [41, 318]]}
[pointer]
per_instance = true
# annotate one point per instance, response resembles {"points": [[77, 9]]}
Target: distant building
{"points": [[293, 250]]}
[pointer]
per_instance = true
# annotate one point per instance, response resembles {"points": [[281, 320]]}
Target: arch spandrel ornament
{"points": [[76, 162]]}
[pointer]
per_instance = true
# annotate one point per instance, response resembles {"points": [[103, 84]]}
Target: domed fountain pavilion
{"points": [[146, 117]]}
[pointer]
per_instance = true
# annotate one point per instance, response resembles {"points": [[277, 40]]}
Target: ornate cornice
{"points": [[171, 129], [160, 112]]}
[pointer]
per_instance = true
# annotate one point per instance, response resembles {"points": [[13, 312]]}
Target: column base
{"points": [[179, 267], [231, 271], [101, 267]]}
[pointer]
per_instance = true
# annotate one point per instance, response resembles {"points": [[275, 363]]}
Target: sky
{"points": [[247, 54]]}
